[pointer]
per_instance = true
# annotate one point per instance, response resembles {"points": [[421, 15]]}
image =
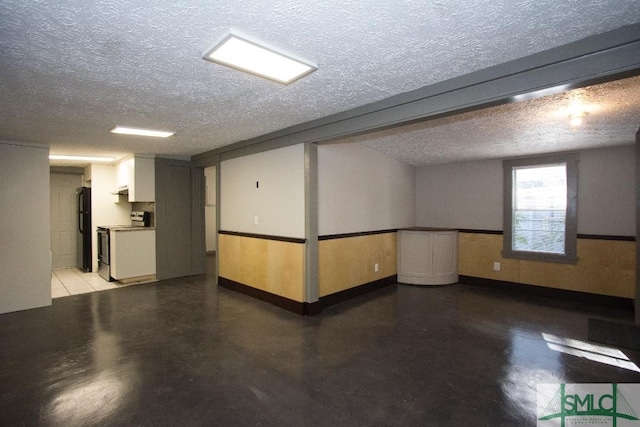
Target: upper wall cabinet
{"points": [[136, 176]]}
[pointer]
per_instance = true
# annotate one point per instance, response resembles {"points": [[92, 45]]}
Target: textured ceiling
{"points": [[71, 70], [521, 128]]}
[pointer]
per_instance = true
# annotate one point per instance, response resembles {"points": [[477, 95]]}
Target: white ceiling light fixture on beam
{"points": [[244, 53], [542, 92], [142, 132]]}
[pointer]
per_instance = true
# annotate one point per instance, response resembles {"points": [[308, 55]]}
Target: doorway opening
{"points": [[67, 276], [211, 227]]}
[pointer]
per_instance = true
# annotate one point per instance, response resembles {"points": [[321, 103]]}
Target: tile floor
{"points": [[73, 281]]}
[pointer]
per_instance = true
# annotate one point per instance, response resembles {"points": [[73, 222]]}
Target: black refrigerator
{"points": [[84, 225]]}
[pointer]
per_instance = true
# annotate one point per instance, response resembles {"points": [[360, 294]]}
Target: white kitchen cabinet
{"points": [[132, 252], [427, 256], [124, 173], [137, 175]]}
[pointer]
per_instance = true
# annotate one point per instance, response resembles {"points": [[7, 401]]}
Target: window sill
{"points": [[540, 257]]}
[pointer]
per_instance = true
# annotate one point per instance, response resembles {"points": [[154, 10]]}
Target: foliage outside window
{"points": [[540, 208]]}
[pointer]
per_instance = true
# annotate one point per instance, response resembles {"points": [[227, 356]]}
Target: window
{"points": [[540, 201]]}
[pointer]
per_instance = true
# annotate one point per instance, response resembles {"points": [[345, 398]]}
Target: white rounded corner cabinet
{"points": [[427, 256]]}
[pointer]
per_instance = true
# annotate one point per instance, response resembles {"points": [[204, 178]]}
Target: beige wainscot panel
{"points": [[478, 252], [269, 265], [605, 267], [349, 262]]}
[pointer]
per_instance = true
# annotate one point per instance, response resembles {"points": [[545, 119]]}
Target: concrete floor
{"points": [[187, 353]]}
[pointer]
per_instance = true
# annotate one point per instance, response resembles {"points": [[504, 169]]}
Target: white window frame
{"points": [[571, 221]]}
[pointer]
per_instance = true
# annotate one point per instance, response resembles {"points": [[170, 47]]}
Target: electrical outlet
{"points": [[255, 220], [496, 266], [375, 267]]}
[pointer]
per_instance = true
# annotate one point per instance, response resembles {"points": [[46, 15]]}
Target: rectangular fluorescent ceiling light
{"points": [[142, 132], [81, 158], [244, 53]]}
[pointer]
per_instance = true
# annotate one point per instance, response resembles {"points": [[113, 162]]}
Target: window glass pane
{"points": [[539, 208]]}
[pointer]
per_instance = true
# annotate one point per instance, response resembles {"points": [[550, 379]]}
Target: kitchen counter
{"points": [[125, 228], [132, 228], [133, 255]]}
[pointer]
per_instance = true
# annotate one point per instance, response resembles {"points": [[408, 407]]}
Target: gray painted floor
{"points": [[185, 352]]}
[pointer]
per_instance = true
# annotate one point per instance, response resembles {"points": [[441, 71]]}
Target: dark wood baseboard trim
{"points": [[302, 308], [558, 294], [357, 291], [306, 308]]}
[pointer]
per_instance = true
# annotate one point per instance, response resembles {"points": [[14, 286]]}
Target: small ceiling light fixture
{"points": [[244, 53], [576, 111], [142, 132], [576, 119], [81, 158]]}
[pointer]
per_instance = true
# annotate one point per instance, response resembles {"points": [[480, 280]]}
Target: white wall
{"points": [[606, 192], [104, 209], [360, 189], [469, 195], [278, 202], [25, 232], [460, 195]]}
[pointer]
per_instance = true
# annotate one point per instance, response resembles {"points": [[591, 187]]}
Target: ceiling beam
{"points": [[603, 57]]}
